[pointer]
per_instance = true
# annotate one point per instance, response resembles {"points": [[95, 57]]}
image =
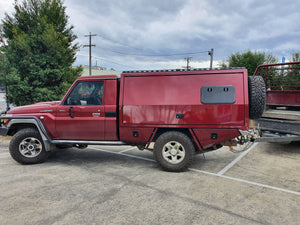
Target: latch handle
{"points": [[70, 111]]}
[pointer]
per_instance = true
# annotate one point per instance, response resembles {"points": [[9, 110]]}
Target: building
{"points": [[2, 99], [98, 70]]}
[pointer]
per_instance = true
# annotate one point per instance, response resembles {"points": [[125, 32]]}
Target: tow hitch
{"points": [[244, 141]]}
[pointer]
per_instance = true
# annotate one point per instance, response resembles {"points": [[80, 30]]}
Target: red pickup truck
{"points": [[182, 112]]}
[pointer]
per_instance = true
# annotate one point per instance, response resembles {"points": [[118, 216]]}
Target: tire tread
{"points": [[189, 151], [14, 147], [257, 96]]}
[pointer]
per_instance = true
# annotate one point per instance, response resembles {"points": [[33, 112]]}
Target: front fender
{"points": [[30, 120]]}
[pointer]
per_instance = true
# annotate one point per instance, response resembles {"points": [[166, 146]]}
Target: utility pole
{"points": [[211, 54], [90, 46], [188, 59]]}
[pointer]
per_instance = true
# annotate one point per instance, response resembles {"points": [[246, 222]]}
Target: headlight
{"points": [[4, 121]]}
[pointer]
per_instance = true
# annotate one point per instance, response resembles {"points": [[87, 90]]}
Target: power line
{"points": [[107, 61], [114, 62], [152, 55], [119, 43], [123, 53]]}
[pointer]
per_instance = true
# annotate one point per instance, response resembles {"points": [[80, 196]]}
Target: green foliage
{"points": [[40, 51], [296, 57], [279, 77], [293, 75], [249, 60]]}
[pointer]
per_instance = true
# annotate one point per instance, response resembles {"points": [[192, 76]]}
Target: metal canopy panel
{"points": [[218, 94]]}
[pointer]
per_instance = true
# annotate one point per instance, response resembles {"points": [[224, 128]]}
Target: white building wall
{"points": [[2, 102]]}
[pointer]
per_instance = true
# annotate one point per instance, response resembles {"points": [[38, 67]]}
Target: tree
{"points": [[292, 78], [249, 60], [40, 51], [296, 57]]}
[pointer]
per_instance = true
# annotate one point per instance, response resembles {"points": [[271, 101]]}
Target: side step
{"points": [[88, 142]]}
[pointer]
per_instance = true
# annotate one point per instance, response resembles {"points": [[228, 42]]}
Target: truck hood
{"points": [[35, 108]]}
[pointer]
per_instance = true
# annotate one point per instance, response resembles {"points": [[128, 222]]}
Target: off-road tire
{"points": [[183, 144], [34, 142], [257, 96]]}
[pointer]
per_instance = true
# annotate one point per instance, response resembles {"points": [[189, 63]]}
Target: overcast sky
{"points": [[128, 29]]}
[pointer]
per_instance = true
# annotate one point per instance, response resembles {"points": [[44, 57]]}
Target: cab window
{"points": [[86, 93]]}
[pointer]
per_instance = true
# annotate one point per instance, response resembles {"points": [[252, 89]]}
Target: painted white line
{"points": [[247, 182], [138, 157], [127, 150], [209, 173], [4, 155], [120, 153], [226, 168]]}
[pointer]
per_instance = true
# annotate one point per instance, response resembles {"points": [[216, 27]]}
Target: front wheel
{"points": [[174, 151], [27, 147]]}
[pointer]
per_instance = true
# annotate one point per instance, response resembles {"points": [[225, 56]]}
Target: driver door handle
{"points": [[70, 112]]}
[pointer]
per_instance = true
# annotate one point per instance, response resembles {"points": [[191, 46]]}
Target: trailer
{"points": [[281, 119]]}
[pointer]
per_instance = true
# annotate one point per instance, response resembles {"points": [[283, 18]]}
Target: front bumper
{"points": [[3, 131], [3, 128]]}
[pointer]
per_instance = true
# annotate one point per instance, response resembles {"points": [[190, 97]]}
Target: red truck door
{"points": [[81, 115]]}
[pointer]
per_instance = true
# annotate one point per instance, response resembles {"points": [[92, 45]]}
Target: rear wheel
{"points": [[174, 151], [27, 147]]}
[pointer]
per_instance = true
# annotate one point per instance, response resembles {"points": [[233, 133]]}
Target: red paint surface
{"points": [[126, 134], [155, 100], [283, 98], [206, 141]]}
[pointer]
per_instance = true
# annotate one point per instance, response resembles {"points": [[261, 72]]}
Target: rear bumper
{"points": [[3, 131]]}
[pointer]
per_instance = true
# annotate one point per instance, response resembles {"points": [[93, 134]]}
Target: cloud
{"points": [[175, 26], [6, 6]]}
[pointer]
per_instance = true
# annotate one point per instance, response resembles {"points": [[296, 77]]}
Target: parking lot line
{"points": [[127, 150], [226, 168], [4, 155], [120, 153], [247, 181], [211, 174]]}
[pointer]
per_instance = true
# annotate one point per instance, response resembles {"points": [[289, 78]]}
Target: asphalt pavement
{"points": [[122, 185]]}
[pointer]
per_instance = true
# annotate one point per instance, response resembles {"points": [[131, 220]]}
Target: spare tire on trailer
{"points": [[257, 96]]}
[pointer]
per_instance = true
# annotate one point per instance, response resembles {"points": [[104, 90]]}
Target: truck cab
{"points": [[89, 110]]}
